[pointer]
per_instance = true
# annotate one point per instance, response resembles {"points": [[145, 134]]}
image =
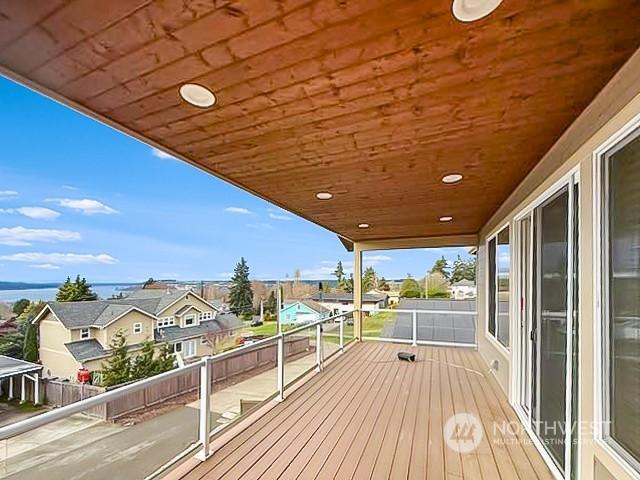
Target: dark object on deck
{"points": [[409, 357]]}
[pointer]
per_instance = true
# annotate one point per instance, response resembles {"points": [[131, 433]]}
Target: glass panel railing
{"points": [[100, 441], [447, 321], [242, 380], [143, 427], [302, 357], [387, 324], [331, 337], [348, 327]]}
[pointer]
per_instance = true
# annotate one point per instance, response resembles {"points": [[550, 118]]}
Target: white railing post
{"points": [[280, 365], [414, 322], [36, 388], [342, 334], [319, 347], [23, 389], [205, 409]]}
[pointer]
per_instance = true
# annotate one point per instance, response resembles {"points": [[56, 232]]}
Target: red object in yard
{"points": [[84, 375]]}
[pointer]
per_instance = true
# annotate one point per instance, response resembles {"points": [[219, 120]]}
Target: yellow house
{"points": [[76, 335]]}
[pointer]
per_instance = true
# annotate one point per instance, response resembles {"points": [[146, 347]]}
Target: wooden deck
{"points": [[368, 415]]}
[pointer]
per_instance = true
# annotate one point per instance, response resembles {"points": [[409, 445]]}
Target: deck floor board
{"points": [[369, 415]]}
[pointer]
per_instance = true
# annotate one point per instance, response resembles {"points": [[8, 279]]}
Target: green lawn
{"points": [[269, 329], [373, 325]]}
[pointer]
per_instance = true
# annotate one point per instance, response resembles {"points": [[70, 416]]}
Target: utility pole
{"points": [[262, 310], [279, 299]]}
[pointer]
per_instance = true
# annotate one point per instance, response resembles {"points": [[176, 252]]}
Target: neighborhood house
{"points": [[75, 335], [302, 311], [340, 302]]}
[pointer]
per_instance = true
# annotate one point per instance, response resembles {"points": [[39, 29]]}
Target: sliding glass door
{"points": [[547, 246], [550, 295]]}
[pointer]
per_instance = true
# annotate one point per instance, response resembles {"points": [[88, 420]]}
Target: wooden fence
{"points": [[64, 393]]}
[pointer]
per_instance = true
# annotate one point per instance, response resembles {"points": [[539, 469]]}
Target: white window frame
{"points": [[165, 322], [176, 347], [137, 328], [601, 322], [85, 333], [192, 317], [494, 338], [189, 345]]}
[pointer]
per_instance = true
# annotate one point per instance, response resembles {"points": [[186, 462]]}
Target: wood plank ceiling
{"points": [[372, 100]]}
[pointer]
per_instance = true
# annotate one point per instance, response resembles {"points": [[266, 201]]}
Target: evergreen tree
{"points": [[339, 273], [13, 344], [117, 368], [383, 285], [410, 288], [463, 270], [441, 266], [83, 292], [271, 305], [369, 279], [65, 291], [30, 347], [165, 361], [77, 291], [458, 270], [148, 283], [143, 365], [20, 306], [347, 284], [240, 293]]}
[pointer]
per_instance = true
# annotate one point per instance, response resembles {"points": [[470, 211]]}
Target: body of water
{"points": [[49, 294]]}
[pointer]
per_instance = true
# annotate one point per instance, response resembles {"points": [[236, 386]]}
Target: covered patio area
{"points": [[370, 415]]}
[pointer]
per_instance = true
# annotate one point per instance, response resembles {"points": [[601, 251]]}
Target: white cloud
{"points": [[21, 237], [315, 273], [60, 258], [87, 206], [240, 210], [7, 193], [45, 266], [69, 187], [38, 213], [278, 216], [371, 260], [156, 152]]}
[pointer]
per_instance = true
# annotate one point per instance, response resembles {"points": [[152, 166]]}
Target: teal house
{"points": [[297, 312]]}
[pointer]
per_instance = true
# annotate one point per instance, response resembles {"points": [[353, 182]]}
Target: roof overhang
{"points": [[371, 100]]}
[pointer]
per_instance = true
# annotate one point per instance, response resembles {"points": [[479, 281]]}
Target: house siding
{"points": [[54, 356], [606, 110]]}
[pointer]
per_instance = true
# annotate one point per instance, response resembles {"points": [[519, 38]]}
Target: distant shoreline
{"points": [[42, 286]]}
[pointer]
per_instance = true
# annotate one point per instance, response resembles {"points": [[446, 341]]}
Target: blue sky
{"points": [[79, 197]]}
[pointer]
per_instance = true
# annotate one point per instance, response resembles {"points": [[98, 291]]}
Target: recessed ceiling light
{"points": [[324, 196], [363, 225], [471, 10], [197, 95], [446, 219], [452, 178]]}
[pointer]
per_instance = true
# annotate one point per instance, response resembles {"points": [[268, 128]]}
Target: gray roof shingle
{"points": [[101, 312], [83, 350], [222, 322]]}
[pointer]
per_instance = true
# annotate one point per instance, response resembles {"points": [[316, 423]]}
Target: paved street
{"points": [[83, 448]]}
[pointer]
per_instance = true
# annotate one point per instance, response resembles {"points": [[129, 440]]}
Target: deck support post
{"points": [[10, 397], [342, 334], [319, 347], [414, 328], [205, 409], [357, 292], [280, 360]]}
